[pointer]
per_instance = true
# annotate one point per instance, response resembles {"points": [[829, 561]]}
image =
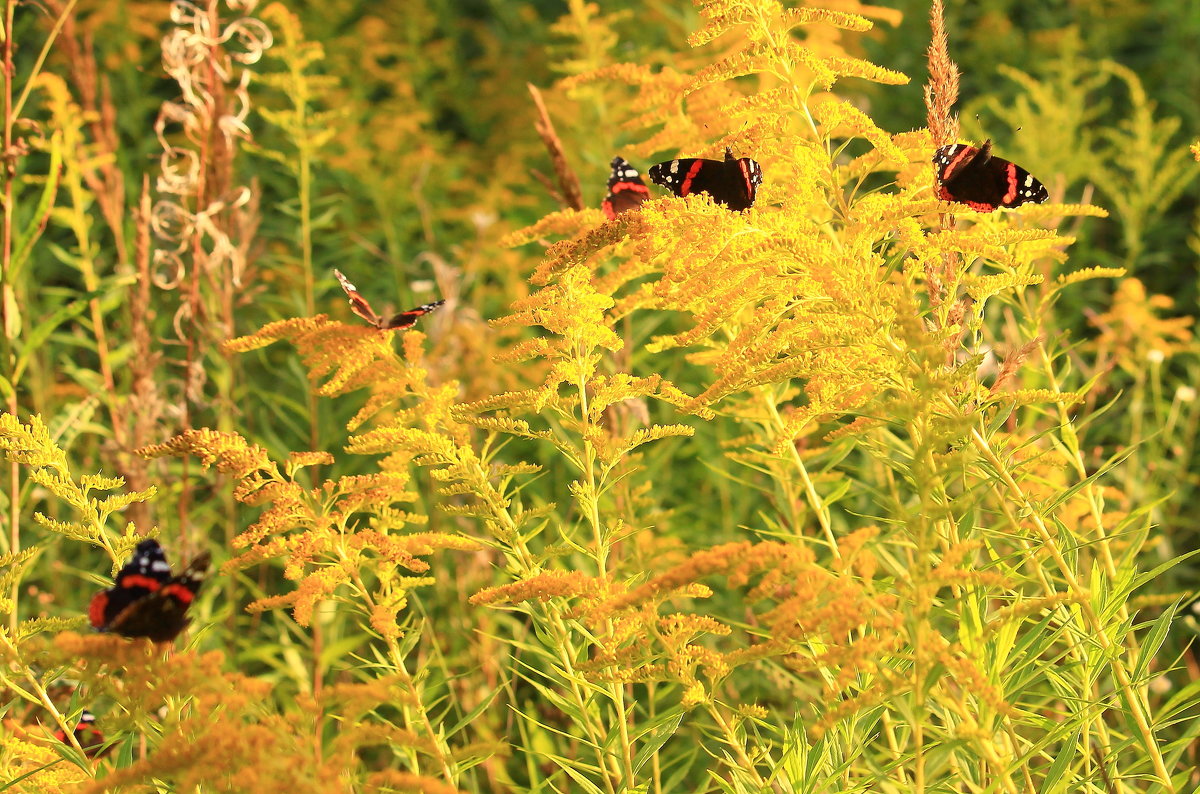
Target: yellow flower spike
{"points": [[841, 119], [568, 254], [540, 587], [845, 66], [36, 768], [564, 222], [231, 453], [1135, 332], [274, 332]]}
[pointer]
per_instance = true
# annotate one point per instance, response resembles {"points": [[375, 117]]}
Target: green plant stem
{"points": [[814, 498], [400, 666], [43, 696], [560, 635], [1134, 700], [41, 58], [80, 225], [738, 747], [616, 690], [6, 250], [304, 157]]}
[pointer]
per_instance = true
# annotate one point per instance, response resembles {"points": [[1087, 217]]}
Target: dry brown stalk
{"points": [[145, 402], [941, 92], [1013, 362], [568, 182], [548, 183]]}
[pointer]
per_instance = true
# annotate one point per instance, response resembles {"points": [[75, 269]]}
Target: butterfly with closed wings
{"points": [[626, 190]]}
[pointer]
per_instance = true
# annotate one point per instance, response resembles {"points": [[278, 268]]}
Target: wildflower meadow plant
{"points": [[820, 495]]}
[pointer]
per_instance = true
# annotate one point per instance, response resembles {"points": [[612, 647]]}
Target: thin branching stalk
{"points": [[9, 156], [616, 689], [1133, 697], [814, 498]]}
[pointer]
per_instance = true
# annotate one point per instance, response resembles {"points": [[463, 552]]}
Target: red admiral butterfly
{"points": [[359, 305], [972, 176], [732, 182], [626, 190], [146, 600], [87, 734]]}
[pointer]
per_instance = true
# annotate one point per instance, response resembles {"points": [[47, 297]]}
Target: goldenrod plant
{"points": [[855, 490]]}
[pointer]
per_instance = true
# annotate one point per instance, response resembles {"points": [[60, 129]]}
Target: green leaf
{"points": [[1153, 641], [655, 735], [1056, 778], [24, 240], [41, 332]]}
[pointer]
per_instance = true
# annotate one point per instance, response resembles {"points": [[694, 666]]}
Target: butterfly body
{"points": [[626, 190], [973, 176], [147, 600], [359, 305], [732, 182]]}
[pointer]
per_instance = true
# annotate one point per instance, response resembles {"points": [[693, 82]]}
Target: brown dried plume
{"points": [[569, 192], [941, 92]]}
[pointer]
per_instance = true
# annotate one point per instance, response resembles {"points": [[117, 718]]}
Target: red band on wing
{"points": [[634, 186], [744, 165], [686, 186], [96, 609], [137, 580], [956, 162], [982, 206], [1010, 175], [176, 590]]}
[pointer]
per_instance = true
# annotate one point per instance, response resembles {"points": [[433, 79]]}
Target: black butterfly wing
{"points": [[145, 573], [679, 176], [732, 182], [162, 615], [972, 176], [409, 318], [626, 190], [1020, 186]]}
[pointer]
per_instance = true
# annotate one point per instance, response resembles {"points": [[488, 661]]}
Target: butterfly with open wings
{"points": [[146, 600], [359, 305], [971, 175]]}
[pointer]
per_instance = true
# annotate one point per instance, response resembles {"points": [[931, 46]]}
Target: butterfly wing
{"points": [[1020, 186], [409, 318], [626, 190], [358, 304], [679, 176], [732, 182], [745, 177], [162, 614], [972, 176], [145, 573]]}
